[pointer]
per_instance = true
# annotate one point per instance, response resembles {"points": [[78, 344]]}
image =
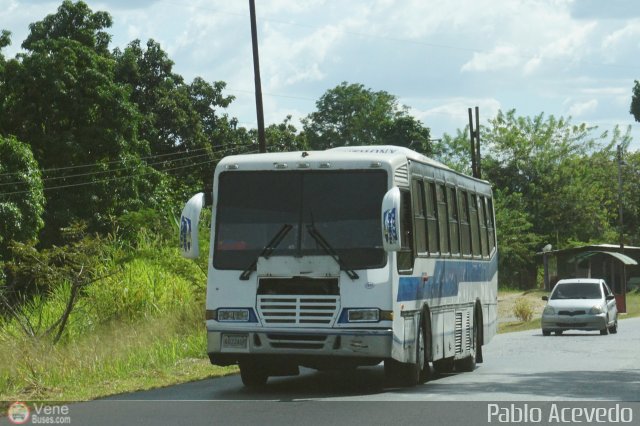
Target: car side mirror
{"points": [[545, 298], [610, 297]]}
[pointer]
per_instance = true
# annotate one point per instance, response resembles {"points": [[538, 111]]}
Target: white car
{"points": [[580, 304]]}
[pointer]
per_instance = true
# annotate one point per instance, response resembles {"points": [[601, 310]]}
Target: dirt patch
{"points": [[507, 301]]}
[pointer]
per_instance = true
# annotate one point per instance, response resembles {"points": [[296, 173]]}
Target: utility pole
{"points": [[620, 216], [256, 71], [474, 134], [623, 275]]}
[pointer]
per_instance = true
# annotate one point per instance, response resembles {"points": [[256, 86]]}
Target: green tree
{"points": [[454, 151], [176, 117], [546, 159], [283, 137], [21, 194], [61, 97], [517, 241], [635, 101], [350, 114]]}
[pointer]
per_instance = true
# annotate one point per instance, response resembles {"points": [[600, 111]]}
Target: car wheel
{"points": [[605, 330], [558, 332], [614, 328], [546, 332]]}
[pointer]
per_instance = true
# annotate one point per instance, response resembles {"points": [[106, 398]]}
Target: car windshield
{"points": [[341, 205], [577, 291]]}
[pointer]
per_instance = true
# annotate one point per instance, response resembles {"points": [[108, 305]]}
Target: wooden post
{"points": [[478, 168], [256, 71], [473, 146]]}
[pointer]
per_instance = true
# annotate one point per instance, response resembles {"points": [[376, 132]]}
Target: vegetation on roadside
{"points": [[136, 323], [523, 310]]}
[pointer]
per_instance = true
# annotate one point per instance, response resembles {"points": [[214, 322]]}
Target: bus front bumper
{"points": [[359, 343]]}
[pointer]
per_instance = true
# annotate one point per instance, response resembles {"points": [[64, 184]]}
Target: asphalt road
{"points": [[523, 366]]}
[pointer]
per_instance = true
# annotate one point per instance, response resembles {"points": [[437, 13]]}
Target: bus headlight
{"points": [[232, 315], [363, 315]]}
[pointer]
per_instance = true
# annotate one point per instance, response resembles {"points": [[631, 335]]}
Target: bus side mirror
{"points": [[545, 298], [189, 221], [391, 220]]}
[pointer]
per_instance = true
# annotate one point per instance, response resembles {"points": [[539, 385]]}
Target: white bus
{"points": [[347, 257]]}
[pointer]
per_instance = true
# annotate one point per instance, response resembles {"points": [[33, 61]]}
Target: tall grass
{"points": [[139, 326]]}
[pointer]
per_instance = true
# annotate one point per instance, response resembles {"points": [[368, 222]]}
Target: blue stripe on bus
{"points": [[445, 279]]}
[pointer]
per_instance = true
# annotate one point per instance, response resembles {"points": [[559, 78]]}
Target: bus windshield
{"points": [[342, 205]]}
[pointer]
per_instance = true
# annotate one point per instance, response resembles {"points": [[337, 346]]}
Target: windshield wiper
{"points": [[330, 251], [267, 250]]}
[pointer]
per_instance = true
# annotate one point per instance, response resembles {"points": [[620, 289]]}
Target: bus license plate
{"points": [[238, 341]]}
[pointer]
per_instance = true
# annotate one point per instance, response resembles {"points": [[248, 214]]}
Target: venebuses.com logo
{"points": [[18, 413]]}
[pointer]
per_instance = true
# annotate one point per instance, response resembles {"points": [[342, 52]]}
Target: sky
{"points": [[575, 58]]}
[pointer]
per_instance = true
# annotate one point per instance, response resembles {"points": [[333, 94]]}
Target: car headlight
{"points": [[596, 310], [548, 310]]}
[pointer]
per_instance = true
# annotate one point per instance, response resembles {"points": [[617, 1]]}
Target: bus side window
{"points": [[419, 216], [432, 220], [491, 229], [475, 227], [454, 230], [405, 254], [484, 239], [465, 228], [443, 219]]}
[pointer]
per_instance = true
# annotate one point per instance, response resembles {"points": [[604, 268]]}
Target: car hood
{"points": [[585, 304]]}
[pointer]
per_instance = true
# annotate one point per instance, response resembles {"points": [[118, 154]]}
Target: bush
{"points": [[523, 310]]}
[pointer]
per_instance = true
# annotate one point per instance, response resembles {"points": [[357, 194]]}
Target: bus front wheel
{"points": [[407, 374]]}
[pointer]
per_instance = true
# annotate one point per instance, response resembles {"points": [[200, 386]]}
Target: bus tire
{"points": [[252, 374], [408, 374], [424, 350]]}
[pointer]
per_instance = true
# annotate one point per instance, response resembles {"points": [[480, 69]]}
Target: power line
{"points": [[117, 177], [213, 151], [125, 168], [108, 162], [106, 171]]}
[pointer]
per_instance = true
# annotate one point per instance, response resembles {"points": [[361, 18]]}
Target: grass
{"points": [[140, 327], [156, 351]]}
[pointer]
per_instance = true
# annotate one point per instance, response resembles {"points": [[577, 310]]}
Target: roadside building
{"points": [[619, 267]]}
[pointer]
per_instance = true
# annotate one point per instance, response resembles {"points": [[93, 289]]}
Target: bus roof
{"points": [[392, 155]]}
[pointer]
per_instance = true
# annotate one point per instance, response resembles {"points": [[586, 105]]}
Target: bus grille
{"points": [[304, 311], [296, 341]]}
